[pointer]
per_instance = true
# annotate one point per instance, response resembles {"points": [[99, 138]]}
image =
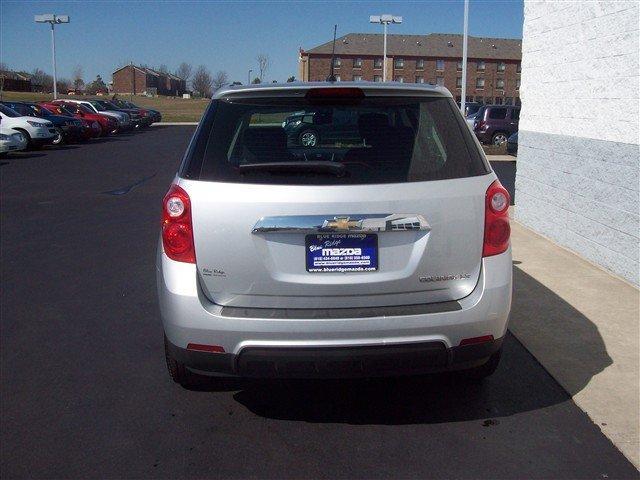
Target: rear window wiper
{"points": [[334, 168]]}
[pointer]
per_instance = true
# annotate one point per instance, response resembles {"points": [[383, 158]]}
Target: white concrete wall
{"points": [[577, 176]]}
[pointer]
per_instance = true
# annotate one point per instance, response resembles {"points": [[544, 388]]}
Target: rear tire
{"points": [[177, 370], [499, 138], [483, 371], [309, 138]]}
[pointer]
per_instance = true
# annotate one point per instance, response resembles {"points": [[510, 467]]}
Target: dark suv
{"points": [[495, 123]]}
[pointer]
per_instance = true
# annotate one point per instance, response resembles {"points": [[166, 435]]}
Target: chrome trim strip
{"points": [[352, 223]]}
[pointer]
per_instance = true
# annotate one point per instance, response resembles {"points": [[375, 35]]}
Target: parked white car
{"points": [[38, 132], [11, 140], [124, 120]]}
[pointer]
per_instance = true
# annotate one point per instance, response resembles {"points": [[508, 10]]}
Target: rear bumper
{"points": [[189, 317], [483, 137], [338, 362]]}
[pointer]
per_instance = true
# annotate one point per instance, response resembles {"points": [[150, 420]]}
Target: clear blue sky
{"points": [[221, 35]]}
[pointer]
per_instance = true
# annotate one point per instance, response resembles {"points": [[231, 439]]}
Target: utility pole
{"points": [[249, 77], [385, 20], [465, 35], [52, 20]]}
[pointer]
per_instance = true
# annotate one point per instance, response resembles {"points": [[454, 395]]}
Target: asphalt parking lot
{"points": [[85, 392]]}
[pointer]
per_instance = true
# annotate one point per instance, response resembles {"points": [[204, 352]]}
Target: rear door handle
{"points": [[377, 222]]}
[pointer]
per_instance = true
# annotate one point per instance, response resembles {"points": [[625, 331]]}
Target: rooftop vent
{"points": [[419, 43], [450, 43], [493, 46], [345, 40]]}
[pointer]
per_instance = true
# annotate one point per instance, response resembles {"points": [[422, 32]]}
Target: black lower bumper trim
{"points": [[336, 362]]}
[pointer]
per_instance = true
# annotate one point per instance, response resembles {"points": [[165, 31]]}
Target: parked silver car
{"points": [[378, 255]]}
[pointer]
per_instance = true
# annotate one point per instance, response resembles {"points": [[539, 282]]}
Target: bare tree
{"points": [[43, 79], [291, 79], [78, 81], [184, 71], [219, 79], [64, 85], [256, 80], [4, 67], [202, 81], [263, 64], [163, 68]]}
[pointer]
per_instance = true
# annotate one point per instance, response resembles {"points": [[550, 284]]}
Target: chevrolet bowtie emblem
{"points": [[342, 223]]}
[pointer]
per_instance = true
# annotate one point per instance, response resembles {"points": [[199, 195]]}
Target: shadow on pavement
{"points": [[520, 384]]}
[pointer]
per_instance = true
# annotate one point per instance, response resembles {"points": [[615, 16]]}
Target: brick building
{"points": [[18, 82], [143, 80], [493, 69]]}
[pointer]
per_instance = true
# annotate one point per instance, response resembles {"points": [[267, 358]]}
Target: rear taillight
{"points": [[480, 125], [496, 220], [177, 227]]}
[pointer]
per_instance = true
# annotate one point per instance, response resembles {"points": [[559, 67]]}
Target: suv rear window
{"points": [[498, 113], [286, 140]]}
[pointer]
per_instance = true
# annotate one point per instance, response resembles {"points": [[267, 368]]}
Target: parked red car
{"points": [[90, 128], [108, 124]]}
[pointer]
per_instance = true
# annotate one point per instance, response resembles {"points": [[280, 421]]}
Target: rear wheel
{"points": [[308, 138], [485, 370], [499, 138], [177, 370]]}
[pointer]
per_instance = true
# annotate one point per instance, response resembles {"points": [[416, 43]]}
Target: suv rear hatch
{"points": [[385, 207]]}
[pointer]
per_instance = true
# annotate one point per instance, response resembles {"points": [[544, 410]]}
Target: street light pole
{"points": [[249, 77], [53, 59], [385, 20], [52, 20], [463, 100]]}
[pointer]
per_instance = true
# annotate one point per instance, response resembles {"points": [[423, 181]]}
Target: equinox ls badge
{"points": [[342, 223]]}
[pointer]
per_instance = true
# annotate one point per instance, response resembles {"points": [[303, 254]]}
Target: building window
{"points": [[357, 63], [508, 101], [518, 67], [398, 63], [420, 64], [357, 78], [377, 62], [419, 79], [377, 78], [498, 101], [500, 84], [440, 81], [439, 65], [517, 84], [337, 62], [501, 66], [459, 82], [479, 99], [480, 66], [479, 82], [459, 65], [399, 78]]}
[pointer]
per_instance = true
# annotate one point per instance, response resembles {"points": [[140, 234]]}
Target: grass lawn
{"points": [[172, 109]]}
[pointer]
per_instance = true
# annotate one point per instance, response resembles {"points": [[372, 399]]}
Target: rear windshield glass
{"points": [[372, 140], [498, 113]]}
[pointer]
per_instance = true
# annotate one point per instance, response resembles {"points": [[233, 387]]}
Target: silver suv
{"points": [[381, 253]]}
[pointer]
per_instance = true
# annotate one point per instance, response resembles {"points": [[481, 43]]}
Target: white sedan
{"points": [[11, 141]]}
